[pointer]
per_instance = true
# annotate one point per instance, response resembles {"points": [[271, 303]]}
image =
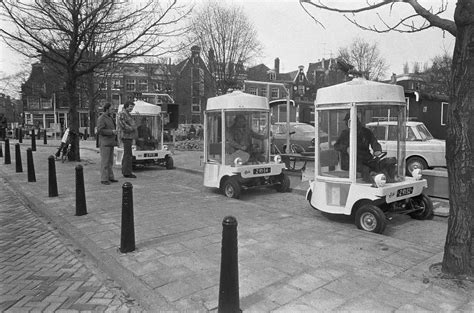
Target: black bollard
{"points": [[127, 237], [33, 140], [7, 159], [19, 166], [1, 151], [229, 278], [52, 182], [20, 135], [17, 133], [86, 134], [81, 208], [45, 137], [97, 140], [30, 165]]}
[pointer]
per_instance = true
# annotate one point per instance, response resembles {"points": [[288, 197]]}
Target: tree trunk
{"points": [[71, 85], [459, 247]]}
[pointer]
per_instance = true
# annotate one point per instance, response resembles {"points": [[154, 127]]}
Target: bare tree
{"points": [[81, 35], [365, 57], [459, 247], [225, 33]]}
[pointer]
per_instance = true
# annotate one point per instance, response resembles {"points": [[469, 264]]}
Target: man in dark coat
{"points": [[107, 142], [365, 138]]}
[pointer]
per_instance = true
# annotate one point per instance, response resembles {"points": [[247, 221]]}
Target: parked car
{"points": [[422, 150], [301, 134]]}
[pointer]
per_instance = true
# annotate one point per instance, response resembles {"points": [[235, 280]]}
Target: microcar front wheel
{"points": [[425, 207], [284, 185], [370, 218], [169, 163], [232, 188]]}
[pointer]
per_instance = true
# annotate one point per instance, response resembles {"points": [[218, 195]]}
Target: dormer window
{"points": [[272, 76]]}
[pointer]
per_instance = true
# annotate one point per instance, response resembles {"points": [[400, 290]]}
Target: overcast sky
{"points": [[287, 31]]}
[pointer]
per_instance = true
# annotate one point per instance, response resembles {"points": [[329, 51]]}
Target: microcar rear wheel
{"points": [[425, 207], [284, 185], [370, 218], [231, 188], [169, 163]]}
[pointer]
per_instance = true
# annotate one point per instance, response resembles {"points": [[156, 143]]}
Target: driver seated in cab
{"points": [[239, 141], [365, 138]]}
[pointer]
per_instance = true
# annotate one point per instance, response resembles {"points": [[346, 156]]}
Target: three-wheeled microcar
{"points": [[237, 145], [347, 181], [148, 148]]}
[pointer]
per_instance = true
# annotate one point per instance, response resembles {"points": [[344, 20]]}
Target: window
{"points": [[263, 92], [116, 84], [379, 132], [253, 91], [392, 132], [272, 76], [196, 105], [130, 85], [444, 113], [301, 89], [157, 86], [143, 85], [275, 93]]}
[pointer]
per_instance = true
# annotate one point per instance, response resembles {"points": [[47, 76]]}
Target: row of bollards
{"points": [[229, 273]]}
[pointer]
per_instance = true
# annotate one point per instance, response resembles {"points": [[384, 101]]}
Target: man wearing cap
{"points": [[365, 137]]}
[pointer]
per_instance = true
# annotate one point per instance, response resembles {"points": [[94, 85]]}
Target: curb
{"points": [[102, 260]]}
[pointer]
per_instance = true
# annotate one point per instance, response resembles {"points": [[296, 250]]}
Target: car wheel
{"points": [[370, 218], [310, 196], [169, 163], [284, 185], [415, 162], [231, 188], [425, 207]]}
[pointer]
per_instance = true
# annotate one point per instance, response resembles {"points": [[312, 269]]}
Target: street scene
{"points": [[178, 156], [291, 257]]}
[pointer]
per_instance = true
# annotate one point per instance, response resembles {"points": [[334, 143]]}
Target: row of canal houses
{"points": [[182, 90]]}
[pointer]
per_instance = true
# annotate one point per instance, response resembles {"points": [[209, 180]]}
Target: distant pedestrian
{"points": [[199, 132], [107, 142], [191, 132], [127, 131], [3, 126]]}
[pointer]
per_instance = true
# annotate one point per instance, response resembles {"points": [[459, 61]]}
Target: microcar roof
{"points": [[143, 108], [237, 100], [360, 91]]}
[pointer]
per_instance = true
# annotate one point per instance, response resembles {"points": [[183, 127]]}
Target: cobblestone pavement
{"points": [[41, 271]]}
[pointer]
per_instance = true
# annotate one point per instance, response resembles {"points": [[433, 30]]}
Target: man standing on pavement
{"points": [[127, 130], [107, 142]]}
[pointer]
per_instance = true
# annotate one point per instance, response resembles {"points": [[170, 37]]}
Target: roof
{"points": [[143, 108], [360, 90], [237, 100], [407, 123]]}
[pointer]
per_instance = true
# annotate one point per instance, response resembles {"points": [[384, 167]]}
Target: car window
{"points": [[392, 132], [410, 134], [424, 132], [378, 131]]}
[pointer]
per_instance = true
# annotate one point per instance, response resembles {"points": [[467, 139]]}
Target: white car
{"points": [[422, 150]]}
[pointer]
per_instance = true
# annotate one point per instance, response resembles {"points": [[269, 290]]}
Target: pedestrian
{"points": [[191, 132], [3, 126], [107, 142], [127, 131]]}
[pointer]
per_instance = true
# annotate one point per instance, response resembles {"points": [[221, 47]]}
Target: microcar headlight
{"points": [[238, 161], [277, 158], [416, 173], [380, 180], [165, 147]]}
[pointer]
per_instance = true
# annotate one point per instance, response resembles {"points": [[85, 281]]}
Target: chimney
{"points": [[277, 66], [393, 79]]}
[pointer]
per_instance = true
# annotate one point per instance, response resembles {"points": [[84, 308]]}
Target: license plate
{"points": [[150, 155], [263, 170], [404, 191]]}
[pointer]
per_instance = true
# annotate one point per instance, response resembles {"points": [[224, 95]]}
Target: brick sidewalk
{"points": [[41, 270]]}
